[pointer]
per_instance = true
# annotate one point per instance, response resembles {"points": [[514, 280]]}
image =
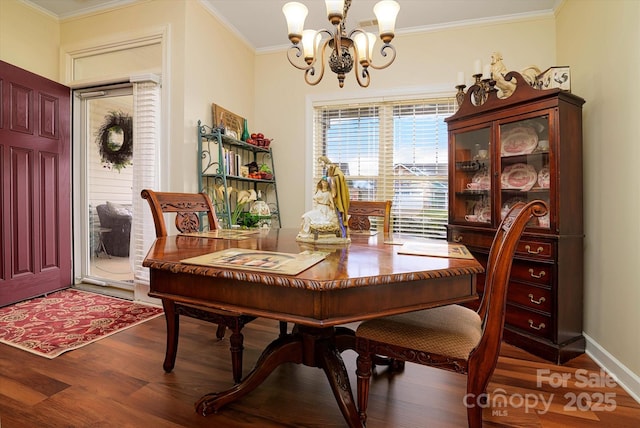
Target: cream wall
{"points": [[426, 63], [600, 40], [29, 39]]}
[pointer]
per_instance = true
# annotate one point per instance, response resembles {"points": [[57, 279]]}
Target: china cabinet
{"points": [[227, 166], [524, 147]]}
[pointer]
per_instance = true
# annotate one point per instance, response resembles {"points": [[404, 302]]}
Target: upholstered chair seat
{"points": [[449, 330]]}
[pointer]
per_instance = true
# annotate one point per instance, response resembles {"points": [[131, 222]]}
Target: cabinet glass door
{"points": [[525, 172], [471, 181]]}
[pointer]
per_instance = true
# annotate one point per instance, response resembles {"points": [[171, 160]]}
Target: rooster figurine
{"points": [[499, 70]]}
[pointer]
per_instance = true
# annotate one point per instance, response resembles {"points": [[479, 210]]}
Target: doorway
{"points": [[103, 128]]}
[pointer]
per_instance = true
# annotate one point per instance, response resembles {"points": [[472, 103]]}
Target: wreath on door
{"points": [[115, 140]]}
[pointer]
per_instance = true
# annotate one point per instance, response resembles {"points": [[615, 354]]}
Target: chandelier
{"points": [[344, 48]]}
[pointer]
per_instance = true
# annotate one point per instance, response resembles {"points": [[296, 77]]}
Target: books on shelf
{"points": [[231, 162]]}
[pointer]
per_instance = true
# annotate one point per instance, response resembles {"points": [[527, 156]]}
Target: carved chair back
{"points": [[360, 211], [187, 206]]}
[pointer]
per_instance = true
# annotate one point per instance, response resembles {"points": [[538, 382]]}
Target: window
{"points": [[392, 150]]}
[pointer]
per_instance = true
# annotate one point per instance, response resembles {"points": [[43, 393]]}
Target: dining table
{"points": [[334, 285]]}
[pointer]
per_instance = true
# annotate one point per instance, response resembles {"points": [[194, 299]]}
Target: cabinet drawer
{"points": [[538, 249], [526, 247], [471, 239], [530, 296], [531, 272], [531, 322]]}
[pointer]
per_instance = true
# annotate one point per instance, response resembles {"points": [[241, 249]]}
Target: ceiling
{"points": [[262, 24]]}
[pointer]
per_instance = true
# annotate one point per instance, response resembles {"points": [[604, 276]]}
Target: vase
{"points": [[261, 209], [245, 131]]}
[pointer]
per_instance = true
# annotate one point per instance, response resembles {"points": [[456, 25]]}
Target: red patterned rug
{"points": [[67, 320]]}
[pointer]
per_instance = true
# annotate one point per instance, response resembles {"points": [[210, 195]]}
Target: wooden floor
{"points": [[119, 382]]}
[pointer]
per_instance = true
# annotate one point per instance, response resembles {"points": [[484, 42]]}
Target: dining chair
{"points": [[451, 337], [188, 207], [360, 211]]}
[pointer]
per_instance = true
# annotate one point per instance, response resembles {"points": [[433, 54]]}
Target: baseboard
{"points": [[628, 380]]}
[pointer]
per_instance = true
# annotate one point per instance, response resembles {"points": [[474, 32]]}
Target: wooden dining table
{"points": [[366, 278]]}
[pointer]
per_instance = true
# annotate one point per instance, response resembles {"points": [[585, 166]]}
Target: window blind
{"points": [[146, 138], [391, 150]]}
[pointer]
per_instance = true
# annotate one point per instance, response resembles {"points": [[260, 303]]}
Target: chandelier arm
{"points": [[297, 50], [298, 54], [363, 77], [384, 54], [311, 71]]}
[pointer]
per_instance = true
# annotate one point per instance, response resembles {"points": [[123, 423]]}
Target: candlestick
{"points": [[460, 94]]}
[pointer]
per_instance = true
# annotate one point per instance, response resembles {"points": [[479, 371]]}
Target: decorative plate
{"points": [[484, 215], [520, 140], [544, 178], [483, 211], [483, 179], [520, 176]]}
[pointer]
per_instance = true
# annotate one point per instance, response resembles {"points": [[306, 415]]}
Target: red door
{"points": [[35, 185]]}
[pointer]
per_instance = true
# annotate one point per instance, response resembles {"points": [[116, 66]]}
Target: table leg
{"points": [[286, 349], [173, 330], [313, 347], [333, 365]]}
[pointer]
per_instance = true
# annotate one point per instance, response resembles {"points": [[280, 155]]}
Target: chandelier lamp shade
{"points": [[352, 51]]}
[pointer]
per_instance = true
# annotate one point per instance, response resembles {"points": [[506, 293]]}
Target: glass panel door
{"points": [[471, 181], [105, 116], [525, 165]]}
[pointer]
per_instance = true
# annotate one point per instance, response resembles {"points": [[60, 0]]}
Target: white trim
{"points": [[623, 376], [115, 42], [147, 77], [104, 6], [395, 94], [468, 23]]}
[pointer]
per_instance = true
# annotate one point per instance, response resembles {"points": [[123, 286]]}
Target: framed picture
{"points": [[233, 124]]}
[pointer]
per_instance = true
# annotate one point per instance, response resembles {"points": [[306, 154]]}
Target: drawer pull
{"points": [[537, 251], [540, 327], [540, 275], [537, 302], [457, 238]]}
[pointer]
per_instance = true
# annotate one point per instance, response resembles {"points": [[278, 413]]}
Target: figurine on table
{"points": [[325, 221], [322, 217]]}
